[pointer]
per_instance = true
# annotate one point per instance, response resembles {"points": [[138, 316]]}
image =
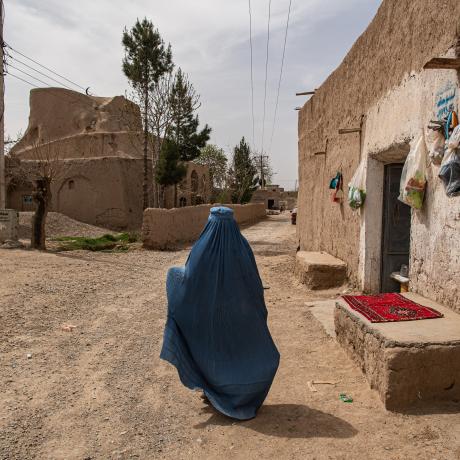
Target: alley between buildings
{"points": [[101, 391]]}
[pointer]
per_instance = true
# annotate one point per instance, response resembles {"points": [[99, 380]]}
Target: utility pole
{"points": [[262, 179], [2, 114]]}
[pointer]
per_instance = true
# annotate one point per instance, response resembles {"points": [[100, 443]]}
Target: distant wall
{"points": [[194, 189], [165, 228], [106, 192]]}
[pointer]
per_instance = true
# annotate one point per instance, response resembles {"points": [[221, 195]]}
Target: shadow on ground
{"points": [[288, 421], [440, 407]]}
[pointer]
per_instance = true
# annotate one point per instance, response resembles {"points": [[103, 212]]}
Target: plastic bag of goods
{"points": [[436, 145], [450, 171], [454, 139], [413, 176], [357, 188]]}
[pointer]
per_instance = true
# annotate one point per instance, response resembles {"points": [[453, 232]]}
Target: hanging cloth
{"points": [[216, 333]]}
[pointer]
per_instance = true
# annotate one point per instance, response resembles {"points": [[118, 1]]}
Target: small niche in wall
{"points": [[71, 184]]}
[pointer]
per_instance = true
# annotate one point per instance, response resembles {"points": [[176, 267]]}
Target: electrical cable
{"points": [[281, 76], [39, 72], [22, 79], [62, 96], [28, 74], [252, 76], [44, 67], [266, 76]]}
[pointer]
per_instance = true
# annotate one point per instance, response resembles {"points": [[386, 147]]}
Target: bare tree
{"points": [[47, 167], [10, 141], [159, 118]]}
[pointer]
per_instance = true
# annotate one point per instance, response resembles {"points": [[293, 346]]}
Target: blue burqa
{"points": [[216, 333]]}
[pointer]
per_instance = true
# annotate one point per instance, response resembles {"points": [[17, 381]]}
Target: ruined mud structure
{"points": [[382, 88], [99, 144]]}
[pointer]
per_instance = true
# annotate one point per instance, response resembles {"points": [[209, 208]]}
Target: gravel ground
{"points": [[58, 224], [101, 391]]}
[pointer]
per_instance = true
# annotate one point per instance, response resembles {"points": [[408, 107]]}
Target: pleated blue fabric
{"points": [[216, 333]]}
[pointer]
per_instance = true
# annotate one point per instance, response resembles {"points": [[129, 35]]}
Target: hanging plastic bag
{"points": [[413, 176], [450, 171], [436, 145], [357, 188], [454, 139]]}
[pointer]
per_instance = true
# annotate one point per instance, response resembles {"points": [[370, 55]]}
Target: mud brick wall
{"points": [[167, 228], [384, 65]]}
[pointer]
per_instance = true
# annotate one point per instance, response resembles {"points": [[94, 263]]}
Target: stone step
{"points": [[320, 270]]}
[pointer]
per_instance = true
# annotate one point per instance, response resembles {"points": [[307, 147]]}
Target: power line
{"points": [[266, 74], [44, 67], [65, 96], [252, 76], [28, 74], [22, 79], [281, 76], [39, 72]]}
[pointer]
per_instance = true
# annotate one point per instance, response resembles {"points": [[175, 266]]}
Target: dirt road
{"points": [[101, 391]]}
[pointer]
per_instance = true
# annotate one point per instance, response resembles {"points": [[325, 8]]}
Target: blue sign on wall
{"points": [[446, 100]]}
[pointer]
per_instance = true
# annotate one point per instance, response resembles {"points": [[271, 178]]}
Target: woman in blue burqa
{"points": [[216, 333]]}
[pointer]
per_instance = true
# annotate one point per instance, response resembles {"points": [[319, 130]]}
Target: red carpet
{"points": [[384, 308]]}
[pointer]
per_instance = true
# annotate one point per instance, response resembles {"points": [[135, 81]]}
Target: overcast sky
{"points": [[210, 41]]}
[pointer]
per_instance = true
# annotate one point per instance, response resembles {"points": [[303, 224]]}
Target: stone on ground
{"points": [[319, 270]]}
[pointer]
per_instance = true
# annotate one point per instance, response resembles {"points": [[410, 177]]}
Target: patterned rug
{"points": [[384, 308]]}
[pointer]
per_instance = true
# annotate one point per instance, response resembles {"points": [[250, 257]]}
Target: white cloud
{"points": [[82, 40]]}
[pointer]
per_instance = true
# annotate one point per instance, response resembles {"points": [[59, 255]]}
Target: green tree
{"points": [[146, 60], [170, 169], [183, 129], [243, 173], [215, 159]]}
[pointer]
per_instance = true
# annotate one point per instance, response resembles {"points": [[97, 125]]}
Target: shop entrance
{"points": [[270, 204], [395, 229]]}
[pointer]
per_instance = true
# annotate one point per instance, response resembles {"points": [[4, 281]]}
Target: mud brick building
{"points": [[99, 142], [385, 94]]}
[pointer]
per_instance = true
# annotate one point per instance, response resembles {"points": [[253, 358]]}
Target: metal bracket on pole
{"points": [[306, 93]]}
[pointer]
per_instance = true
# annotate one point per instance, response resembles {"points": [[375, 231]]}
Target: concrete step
{"points": [[407, 362], [323, 311], [320, 270]]}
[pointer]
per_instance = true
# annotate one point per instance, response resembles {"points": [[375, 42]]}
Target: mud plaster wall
{"points": [[91, 145], [103, 191], [403, 36], [434, 247], [262, 196], [165, 228]]}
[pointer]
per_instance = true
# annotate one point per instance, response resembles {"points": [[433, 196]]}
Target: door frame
{"points": [[371, 216], [384, 211]]}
